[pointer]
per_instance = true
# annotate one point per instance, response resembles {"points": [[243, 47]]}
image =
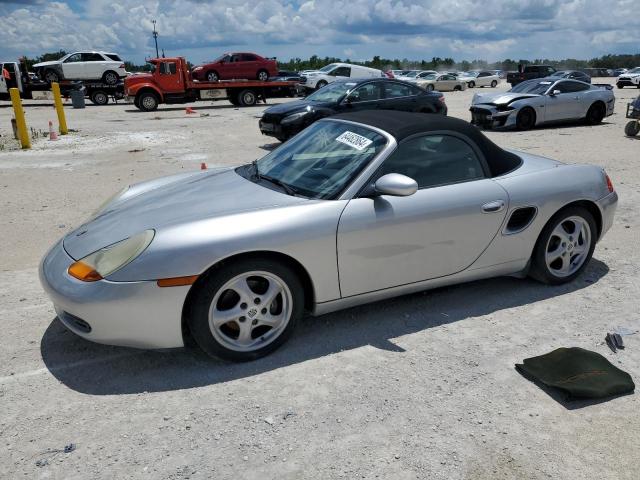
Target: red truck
{"points": [[172, 82]]}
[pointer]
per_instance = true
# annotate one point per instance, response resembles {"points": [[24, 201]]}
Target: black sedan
{"points": [[573, 75], [285, 120]]}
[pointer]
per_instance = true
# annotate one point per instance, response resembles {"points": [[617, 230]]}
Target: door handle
{"points": [[492, 207]]}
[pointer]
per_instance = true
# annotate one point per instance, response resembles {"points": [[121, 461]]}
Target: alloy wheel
{"points": [[568, 246]]}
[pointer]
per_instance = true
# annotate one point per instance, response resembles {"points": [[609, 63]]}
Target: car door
{"points": [[234, 67], [73, 68], [446, 83], [94, 65], [563, 105], [169, 78], [248, 66], [368, 96], [387, 241], [398, 96]]}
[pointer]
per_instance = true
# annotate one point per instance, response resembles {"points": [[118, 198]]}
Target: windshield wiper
{"points": [[285, 186]]}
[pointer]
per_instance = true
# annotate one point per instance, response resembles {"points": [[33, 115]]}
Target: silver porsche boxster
{"points": [[541, 101], [356, 208]]}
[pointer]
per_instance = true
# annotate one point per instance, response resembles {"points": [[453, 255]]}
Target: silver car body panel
{"points": [[354, 250], [561, 107]]}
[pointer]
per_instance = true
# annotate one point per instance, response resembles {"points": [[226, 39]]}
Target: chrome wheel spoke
{"points": [[269, 296], [220, 317], [568, 249], [244, 337]]}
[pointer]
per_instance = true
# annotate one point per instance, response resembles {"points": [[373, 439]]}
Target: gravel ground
{"points": [[418, 387]]}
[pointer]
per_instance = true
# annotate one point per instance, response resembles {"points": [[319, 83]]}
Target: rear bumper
{"points": [[130, 314]]}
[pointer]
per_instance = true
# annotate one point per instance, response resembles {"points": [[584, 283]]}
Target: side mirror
{"points": [[396, 185], [554, 93]]}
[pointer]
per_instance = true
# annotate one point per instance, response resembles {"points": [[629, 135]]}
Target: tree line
{"points": [[436, 63]]}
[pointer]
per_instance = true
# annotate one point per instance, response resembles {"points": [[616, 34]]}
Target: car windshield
{"points": [[558, 74], [321, 161], [532, 86], [328, 68], [634, 70], [469, 74], [220, 58], [332, 92], [412, 73]]}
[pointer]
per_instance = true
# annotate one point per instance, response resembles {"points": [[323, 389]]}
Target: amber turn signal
{"points": [[177, 281], [84, 272]]}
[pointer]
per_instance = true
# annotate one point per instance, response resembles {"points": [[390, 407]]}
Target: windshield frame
{"points": [[538, 81], [331, 86], [328, 70]]}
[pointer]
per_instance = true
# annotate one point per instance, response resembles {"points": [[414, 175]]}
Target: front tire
{"points": [[564, 247], [320, 84], [110, 78], [632, 128], [246, 310], [50, 76], [526, 119], [99, 98], [471, 84], [595, 114], [147, 101], [430, 87], [212, 76], [494, 84]]}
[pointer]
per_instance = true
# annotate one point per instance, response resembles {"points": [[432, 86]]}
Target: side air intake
{"points": [[520, 219]]}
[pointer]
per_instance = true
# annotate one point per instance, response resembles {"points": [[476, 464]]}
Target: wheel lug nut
{"points": [[243, 306], [264, 311], [564, 244], [257, 301], [242, 319], [255, 322]]}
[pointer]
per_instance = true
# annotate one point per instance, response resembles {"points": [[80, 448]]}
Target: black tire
{"points": [[320, 84], [526, 119], [212, 76], [110, 77], [539, 269], [198, 318], [619, 85], [457, 88], [147, 101], [471, 84], [430, 87], [262, 75], [282, 138], [494, 84], [247, 98], [595, 114], [632, 128], [233, 99], [51, 76], [99, 98]]}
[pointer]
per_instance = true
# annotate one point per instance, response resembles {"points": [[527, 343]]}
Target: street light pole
{"points": [[155, 37]]}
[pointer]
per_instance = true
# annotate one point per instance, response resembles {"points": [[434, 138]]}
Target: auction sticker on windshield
{"points": [[354, 140]]}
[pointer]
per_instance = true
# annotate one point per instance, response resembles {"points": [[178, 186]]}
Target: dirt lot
{"points": [[421, 386]]}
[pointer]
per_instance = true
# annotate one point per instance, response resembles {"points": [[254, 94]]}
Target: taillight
{"points": [[121, 66], [609, 183], [441, 98]]}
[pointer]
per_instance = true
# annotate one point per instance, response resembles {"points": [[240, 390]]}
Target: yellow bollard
{"points": [[21, 124], [57, 99]]}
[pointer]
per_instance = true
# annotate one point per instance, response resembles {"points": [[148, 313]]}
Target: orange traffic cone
{"points": [[52, 134], [203, 166], [189, 110]]}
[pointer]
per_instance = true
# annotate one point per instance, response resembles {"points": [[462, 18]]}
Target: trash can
{"points": [[77, 97]]}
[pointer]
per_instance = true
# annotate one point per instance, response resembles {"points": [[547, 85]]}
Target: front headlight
{"points": [[197, 69], [107, 260], [293, 117]]}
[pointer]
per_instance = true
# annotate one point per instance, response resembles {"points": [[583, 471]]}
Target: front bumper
{"points": [[129, 314], [275, 129], [488, 116], [607, 207], [626, 82]]}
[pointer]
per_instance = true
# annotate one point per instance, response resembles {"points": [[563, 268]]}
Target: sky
{"points": [[357, 29]]}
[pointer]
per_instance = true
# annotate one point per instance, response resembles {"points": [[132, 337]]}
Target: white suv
{"points": [[103, 66], [334, 71], [629, 79]]}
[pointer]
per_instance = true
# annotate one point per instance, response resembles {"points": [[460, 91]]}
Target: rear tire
{"points": [[471, 84], [147, 101], [262, 75], [632, 128], [457, 88], [561, 254], [110, 78], [595, 114], [247, 98], [233, 99], [526, 119], [494, 84], [244, 286], [99, 98], [320, 84], [430, 87]]}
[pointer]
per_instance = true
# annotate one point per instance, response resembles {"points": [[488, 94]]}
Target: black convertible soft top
{"points": [[404, 124]]}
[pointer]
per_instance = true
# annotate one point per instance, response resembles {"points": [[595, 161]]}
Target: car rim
{"points": [[212, 77], [262, 76], [100, 98], [568, 246], [149, 102], [51, 77], [248, 99], [111, 78], [250, 311]]}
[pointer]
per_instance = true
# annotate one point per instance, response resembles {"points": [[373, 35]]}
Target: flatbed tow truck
{"points": [[171, 82]]}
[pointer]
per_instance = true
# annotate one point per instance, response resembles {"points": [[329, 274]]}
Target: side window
{"points": [[484, 74], [235, 58], [247, 57], [76, 57], [341, 72], [564, 87], [168, 68], [92, 57], [573, 87], [367, 93], [395, 90], [434, 160]]}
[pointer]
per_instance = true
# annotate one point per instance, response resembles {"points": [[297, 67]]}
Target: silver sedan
{"points": [[541, 101], [356, 208]]}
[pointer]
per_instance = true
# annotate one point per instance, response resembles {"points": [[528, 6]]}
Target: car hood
{"points": [[630, 75], [502, 98], [284, 109], [188, 198], [46, 64]]}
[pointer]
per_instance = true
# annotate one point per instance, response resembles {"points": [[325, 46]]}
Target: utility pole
{"points": [[155, 37]]}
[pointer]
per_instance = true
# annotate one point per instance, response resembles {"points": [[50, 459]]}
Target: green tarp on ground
{"points": [[577, 372]]}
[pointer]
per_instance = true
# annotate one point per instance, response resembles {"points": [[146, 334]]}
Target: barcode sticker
{"points": [[354, 140]]}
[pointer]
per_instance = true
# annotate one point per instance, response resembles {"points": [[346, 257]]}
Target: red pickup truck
{"points": [[172, 82]]}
